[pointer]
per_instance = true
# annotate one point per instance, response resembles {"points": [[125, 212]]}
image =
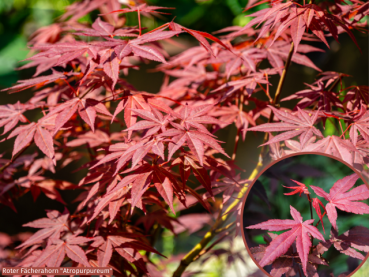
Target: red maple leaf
{"points": [[249, 83], [339, 197], [298, 19], [195, 141], [123, 244], [53, 255], [87, 109], [155, 121], [39, 132], [232, 113], [64, 51], [361, 125], [335, 146], [196, 116], [128, 104], [104, 29], [357, 96], [300, 124], [51, 227], [319, 96], [200, 36], [277, 53], [299, 231], [301, 188], [36, 82], [285, 263], [10, 115], [348, 243]]}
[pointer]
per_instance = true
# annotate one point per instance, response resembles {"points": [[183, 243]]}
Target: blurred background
{"points": [[20, 18], [309, 169]]}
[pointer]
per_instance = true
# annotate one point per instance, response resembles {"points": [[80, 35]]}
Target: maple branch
{"points": [[242, 96], [333, 86], [73, 90], [319, 219], [299, 271], [154, 236], [139, 21], [283, 78], [312, 217], [5, 166], [91, 88], [345, 130], [90, 153], [277, 97]]}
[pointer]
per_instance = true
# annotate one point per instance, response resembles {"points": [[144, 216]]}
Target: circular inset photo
{"points": [[307, 215]]}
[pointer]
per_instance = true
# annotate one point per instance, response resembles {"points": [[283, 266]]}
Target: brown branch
{"points": [[5, 166], [242, 96]]}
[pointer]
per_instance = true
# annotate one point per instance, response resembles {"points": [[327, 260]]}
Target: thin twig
{"points": [[5, 166], [91, 88], [312, 217], [242, 96], [319, 219], [300, 273]]}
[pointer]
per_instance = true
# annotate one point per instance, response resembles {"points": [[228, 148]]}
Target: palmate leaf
{"points": [[230, 114], [319, 96], [54, 254], [360, 125], [35, 82], [249, 83], [138, 183], [341, 198], [196, 116], [277, 53], [103, 29], [301, 124], [356, 96], [195, 141], [347, 243], [299, 231], [199, 36], [39, 133], [301, 189], [335, 146], [87, 109], [51, 227], [298, 18], [10, 115], [124, 245], [65, 51], [128, 104], [155, 121]]}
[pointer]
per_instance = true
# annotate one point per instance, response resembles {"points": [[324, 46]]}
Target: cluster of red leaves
{"points": [[137, 174], [296, 244]]}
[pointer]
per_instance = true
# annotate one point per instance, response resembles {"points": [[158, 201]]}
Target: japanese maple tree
{"points": [[166, 156]]}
